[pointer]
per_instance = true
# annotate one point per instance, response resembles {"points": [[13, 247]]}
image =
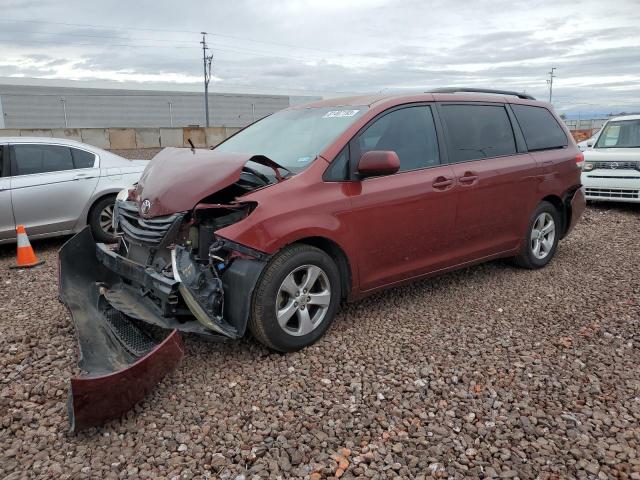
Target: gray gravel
{"points": [[488, 372]]}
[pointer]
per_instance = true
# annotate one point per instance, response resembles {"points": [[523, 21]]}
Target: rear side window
{"points": [[539, 127], [31, 159], [82, 159], [410, 132], [477, 131]]}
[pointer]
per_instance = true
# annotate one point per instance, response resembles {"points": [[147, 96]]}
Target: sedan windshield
{"points": [[293, 138], [620, 134]]}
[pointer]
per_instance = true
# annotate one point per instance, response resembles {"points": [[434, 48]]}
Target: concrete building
{"points": [[42, 106]]}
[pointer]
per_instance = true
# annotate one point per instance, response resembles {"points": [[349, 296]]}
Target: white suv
{"points": [[611, 169]]}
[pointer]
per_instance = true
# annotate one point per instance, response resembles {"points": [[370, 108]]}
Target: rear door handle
{"points": [[83, 176], [442, 183], [468, 179]]}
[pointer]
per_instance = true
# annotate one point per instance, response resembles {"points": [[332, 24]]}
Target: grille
{"points": [[613, 192], [131, 337], [616, 165], [621, 177], [141, 230]]}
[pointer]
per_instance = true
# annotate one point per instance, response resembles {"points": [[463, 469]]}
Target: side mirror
{"points": [[378, 162], [589, 144]]}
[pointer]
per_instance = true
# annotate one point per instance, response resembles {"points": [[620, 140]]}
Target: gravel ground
{"points": [[487, 372]]}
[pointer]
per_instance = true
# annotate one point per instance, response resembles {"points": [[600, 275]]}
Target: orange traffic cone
{"points": [[26, 257]]}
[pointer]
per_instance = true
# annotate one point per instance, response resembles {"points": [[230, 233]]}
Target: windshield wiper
{"points": [[255, 173], [267, 162]]}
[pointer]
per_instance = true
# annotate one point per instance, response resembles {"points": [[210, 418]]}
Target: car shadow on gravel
{"points": [[437, 287], [621, 207]]}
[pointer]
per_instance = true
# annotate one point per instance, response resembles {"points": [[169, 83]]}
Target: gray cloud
{"points": [[330, 45]]}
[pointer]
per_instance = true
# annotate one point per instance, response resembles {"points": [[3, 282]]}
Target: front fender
{"points": [[280, 237]]}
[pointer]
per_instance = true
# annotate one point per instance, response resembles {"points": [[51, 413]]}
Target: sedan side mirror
{"points": [[378, 162]]}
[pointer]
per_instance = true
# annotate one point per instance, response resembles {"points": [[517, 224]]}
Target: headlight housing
{"points": [[123, 194], [587, 166]]}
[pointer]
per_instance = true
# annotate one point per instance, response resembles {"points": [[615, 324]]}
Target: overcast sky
{"points": [[336, 45]]}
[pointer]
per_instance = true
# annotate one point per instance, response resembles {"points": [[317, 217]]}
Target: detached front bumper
{"points": [[126, 344], [120, 360]]}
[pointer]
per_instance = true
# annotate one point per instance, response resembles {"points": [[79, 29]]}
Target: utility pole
{"points": [[550, 82], [206, 64], [64, 109]]}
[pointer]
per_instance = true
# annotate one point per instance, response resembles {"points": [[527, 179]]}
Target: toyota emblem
{"points": [[614, 165], [145, 207]]}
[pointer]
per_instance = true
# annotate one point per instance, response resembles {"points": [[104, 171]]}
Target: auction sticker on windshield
{"points": [[340, 113]]}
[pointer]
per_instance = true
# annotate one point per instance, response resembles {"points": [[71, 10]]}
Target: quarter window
{"points": [[478, 131], [410, 132], [540, 128], [82, 159], [31, 159]]}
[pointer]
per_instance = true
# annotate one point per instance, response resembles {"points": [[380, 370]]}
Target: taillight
{"points": [[580, 159]]}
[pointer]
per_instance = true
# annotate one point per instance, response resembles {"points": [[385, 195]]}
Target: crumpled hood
{"points": [[178, 178]]}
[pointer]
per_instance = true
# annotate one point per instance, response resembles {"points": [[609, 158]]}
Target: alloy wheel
{"points": [[303, 300], [106, 220], [543, 235]]}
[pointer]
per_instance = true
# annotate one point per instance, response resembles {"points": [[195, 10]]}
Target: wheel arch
{"points": [[95, 200], [561, 207], [334, 250]]}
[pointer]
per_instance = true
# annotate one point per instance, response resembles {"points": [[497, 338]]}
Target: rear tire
{"points": [[100, 217], [296, 298], [541, 241]]}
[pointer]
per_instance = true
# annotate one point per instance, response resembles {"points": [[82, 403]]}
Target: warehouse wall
{"points": [[45, 107], [128, 138]]}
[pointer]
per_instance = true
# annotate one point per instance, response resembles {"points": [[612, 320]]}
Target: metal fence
{"points": [[588, 124]]}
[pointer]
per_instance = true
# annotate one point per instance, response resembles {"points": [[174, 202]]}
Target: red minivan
{"points": [[318, 204]]}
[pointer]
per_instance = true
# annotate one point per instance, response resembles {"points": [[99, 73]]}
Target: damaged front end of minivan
{"points": [[168, 273]]}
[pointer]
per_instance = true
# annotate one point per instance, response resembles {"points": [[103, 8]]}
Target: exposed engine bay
{"points": [[183, 247], [166, 274]]}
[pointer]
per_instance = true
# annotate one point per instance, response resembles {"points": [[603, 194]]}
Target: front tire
{"points": [[542, 238], [296, 298], [100, 220]]}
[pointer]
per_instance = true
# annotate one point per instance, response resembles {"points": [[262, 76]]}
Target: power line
{"points": [[234, 37], [224, 48]]}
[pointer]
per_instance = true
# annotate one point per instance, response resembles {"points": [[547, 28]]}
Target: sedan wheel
{"points": [[101, 220], [543, 235], [303, 300], [106, 220]]}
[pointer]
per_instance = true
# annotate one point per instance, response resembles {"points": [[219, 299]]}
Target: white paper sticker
{"points": [[340, 113]]}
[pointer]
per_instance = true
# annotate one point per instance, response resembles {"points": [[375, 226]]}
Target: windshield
{"points": [[620, 134], [293, 138]]}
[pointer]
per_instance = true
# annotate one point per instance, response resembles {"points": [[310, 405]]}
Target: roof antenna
{"points": [[193, 148]]}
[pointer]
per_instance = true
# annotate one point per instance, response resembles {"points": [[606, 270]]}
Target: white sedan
{"points": [[611, 169], [56, 187]]}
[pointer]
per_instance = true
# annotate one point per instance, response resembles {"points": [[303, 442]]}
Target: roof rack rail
{"points": [[524, 96]]}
